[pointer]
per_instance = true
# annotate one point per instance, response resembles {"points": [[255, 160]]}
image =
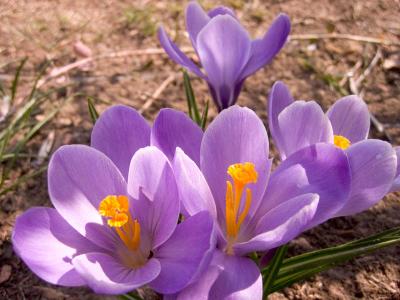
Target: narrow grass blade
{"points": [[4, 142], [130, 296], [15, 82], [337, 253], [204, 117], [304, 273], [94, 115], [22, 179], [305, 265], [188, 101], [274, 267], [21, 144], [21, 116], [38, 77], [285, 282], [194, 111], [8, 156]]}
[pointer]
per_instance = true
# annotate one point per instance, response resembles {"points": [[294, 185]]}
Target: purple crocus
{"points": [[225, 49], [298, 124], [110, 232], [254, 209]]}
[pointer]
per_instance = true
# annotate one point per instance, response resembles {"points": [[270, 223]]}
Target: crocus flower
{"points": [[111, 233], [225, 49], [254, 210], [121, 131], [298, 124]]}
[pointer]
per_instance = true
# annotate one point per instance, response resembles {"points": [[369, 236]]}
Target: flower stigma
{"points": [[341, 142], [242, 174], [116, 210]]}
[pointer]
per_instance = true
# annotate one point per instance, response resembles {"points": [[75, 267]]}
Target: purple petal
{"points": [[106, 275], [396, 183], [196, 18], [373, 167], [201, 288], [240, 278], [79, 178], [302, 124], [152, 184], [350, 118], [221, 10], [177, 55], [236, 135], [322, 169], [47, 244], [281, 224], [264, 50], [279, 99], [173, 129], [223, 67], [119, 133], [182, 255], [194, 191]]}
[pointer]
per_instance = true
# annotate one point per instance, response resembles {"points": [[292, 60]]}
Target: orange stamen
{"points": [[341, 142], [242, 175], [116, 209]]}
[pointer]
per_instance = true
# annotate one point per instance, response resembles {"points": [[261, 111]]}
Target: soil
{"points": [[45, 32]]}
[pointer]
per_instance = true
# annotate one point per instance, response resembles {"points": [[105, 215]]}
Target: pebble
{"points": [[5, 273]]}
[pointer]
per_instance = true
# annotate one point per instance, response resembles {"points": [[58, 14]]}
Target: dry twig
{"points": [[368, 70], [355, 83], [56, 72], [171, 78], [343, 36]]}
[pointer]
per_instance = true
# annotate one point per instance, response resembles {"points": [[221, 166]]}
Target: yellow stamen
{"points": [[136, 235], [246, 208], [116, 209], [230, 216], [113, 205], [118, 220], [341, 142], [242, 175]]}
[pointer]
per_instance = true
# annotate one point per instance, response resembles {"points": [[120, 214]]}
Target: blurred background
{"points": [[54, 55]]}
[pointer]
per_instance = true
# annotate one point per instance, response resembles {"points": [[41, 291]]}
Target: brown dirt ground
{"points": [[46, 30]]}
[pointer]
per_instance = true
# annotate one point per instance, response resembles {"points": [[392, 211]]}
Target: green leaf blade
{"points": [[274, 267], [15, 81], [94, 115], [192, 105], [308, 264]]}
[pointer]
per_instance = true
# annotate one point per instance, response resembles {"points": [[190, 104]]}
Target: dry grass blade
{"points": [[22, 179]]}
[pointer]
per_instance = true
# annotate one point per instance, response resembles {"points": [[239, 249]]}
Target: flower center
{"points": [[116, 210], [341, 142], [242, 174]]}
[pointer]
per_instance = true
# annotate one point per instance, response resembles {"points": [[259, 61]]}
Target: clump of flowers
{"points": [[196, 215], [297, 124]]}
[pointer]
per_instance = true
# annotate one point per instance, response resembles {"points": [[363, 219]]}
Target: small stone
{"points": [[5, 273], [81, 49]]}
